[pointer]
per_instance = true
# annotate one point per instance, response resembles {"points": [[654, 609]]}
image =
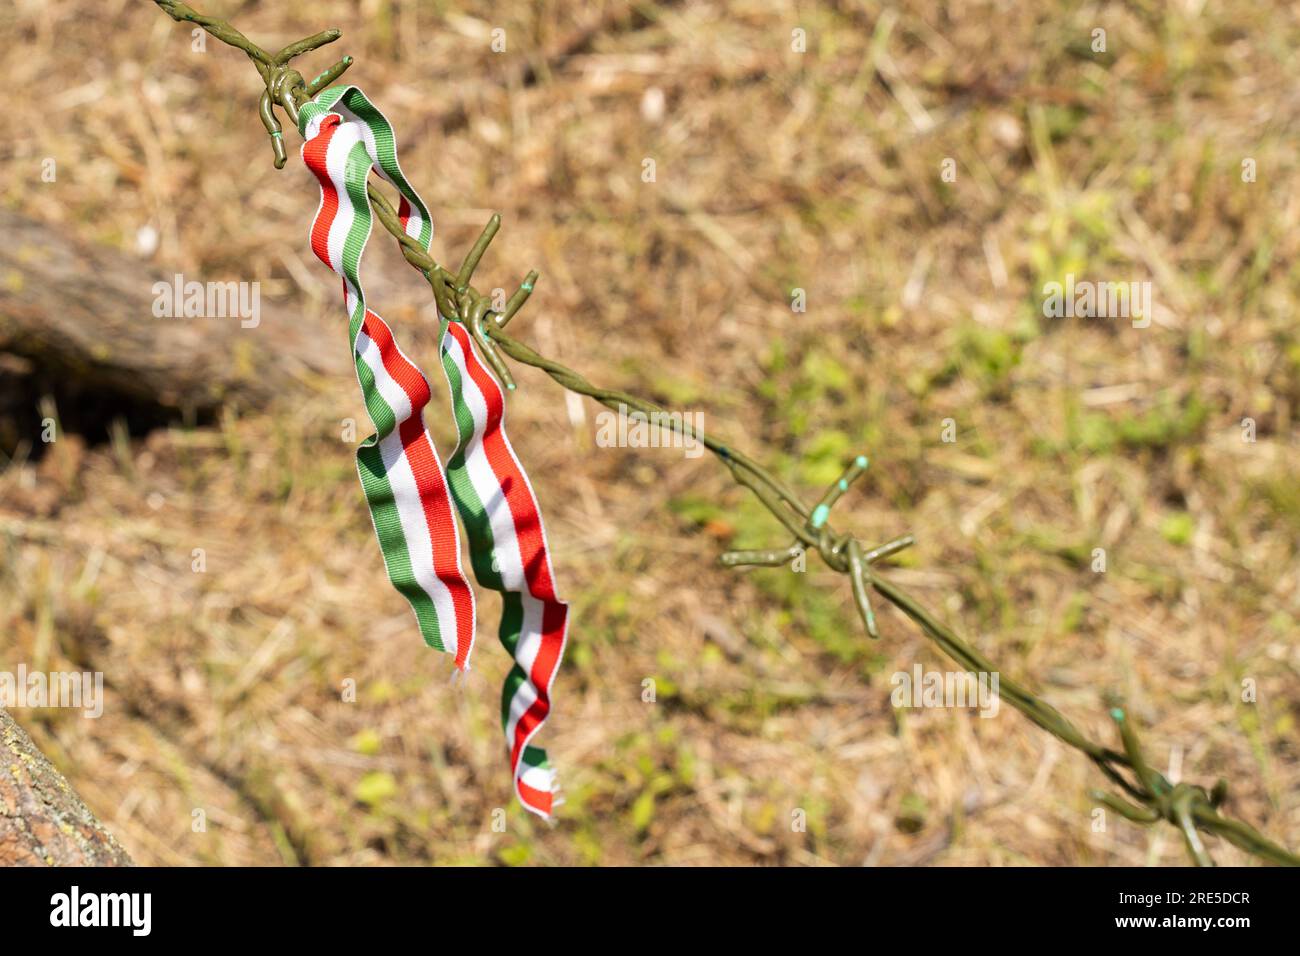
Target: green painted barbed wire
{"points": [[1151, 797]]}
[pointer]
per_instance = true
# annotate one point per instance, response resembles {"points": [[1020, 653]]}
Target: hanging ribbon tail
{"points": [[400, 472], [509, 554]]}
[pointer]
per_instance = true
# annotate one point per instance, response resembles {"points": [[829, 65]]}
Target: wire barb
{"points": [[516, 301], [860, 578], [327, 77], [476, 252], [767, 559]]}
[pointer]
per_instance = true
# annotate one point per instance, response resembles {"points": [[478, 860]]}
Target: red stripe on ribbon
{"points": [[314, 153], [538, 799]]}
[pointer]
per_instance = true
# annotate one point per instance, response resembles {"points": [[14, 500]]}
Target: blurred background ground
{"points": [[775, 170]]}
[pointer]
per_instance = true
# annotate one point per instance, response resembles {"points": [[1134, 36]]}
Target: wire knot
{"points": [[841, 552], [1186, 806], [282, 81]]}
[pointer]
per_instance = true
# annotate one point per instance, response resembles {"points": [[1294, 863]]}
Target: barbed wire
{"points": [[1151, 797]]}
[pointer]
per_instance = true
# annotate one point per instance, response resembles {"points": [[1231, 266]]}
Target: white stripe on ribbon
{"points": [[336, 161], [539, 778]]}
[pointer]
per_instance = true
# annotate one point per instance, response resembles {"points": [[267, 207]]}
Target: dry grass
{"points": [[774, 170]]}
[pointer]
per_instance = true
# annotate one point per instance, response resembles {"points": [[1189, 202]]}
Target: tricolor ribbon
{"points": [[409, 492]]}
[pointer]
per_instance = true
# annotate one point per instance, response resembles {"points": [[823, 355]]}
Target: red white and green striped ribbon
{"points": [[404, 481]]}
